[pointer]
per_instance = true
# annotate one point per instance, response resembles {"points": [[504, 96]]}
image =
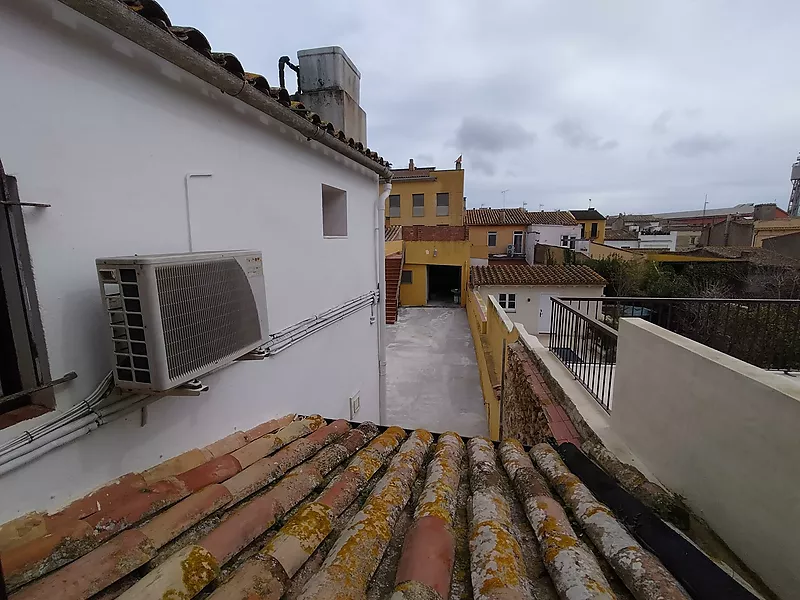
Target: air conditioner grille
{"points": [[208, 312]]}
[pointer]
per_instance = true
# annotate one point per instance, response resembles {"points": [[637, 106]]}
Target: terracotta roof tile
{"points": [[621, 235], [534, 275], [332, 510], [516, 216], [426, 173]]}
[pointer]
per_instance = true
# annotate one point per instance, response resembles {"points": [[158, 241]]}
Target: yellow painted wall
{"points": [[393, 247], [446, 181], [416, 292], [602, 251], [601, 230], [768, 229], [492, 332], [476, 315], [421, 254], [479, 236]]}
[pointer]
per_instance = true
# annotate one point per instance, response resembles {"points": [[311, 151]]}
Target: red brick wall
{"points": [[435, 233]]}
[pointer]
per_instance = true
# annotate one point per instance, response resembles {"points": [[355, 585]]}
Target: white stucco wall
{"points": [[721, 433], [667, 242], [550, 235], [621, 243], [529, 298], [107, 132]]}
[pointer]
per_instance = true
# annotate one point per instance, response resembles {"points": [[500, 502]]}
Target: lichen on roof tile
{"points": [[338, 510]]}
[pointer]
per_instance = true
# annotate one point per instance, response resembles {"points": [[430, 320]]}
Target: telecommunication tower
{"points": [[794, 197]]}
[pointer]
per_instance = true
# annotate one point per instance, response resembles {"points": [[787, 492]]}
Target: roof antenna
{"points": [[503, 192]]}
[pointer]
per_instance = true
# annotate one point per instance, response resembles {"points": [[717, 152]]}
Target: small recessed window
{"points": [[443, 204], [594, 231], [492, 239], [507, 302], [407, 277], [418, 205], [334, 212], [394, 205]]}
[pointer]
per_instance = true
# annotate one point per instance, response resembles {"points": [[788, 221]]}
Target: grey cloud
{"points": [[614, 71], [482, 164], [660, 123], [575, 135], [424, 160], [491, 135], [699, 144]]}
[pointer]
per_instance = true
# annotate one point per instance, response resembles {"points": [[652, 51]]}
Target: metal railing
{"points": [[762, 332], [586, 346]]}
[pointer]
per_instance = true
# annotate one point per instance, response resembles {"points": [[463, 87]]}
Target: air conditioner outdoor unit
{"points": [[510, 250], [175, 317]]}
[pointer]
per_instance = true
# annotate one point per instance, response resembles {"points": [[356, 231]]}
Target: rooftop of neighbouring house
{"points": [[613, 235], [525, 274], [301, 507], [756, 256], [161, 36], [517, 216], [589, 214]]}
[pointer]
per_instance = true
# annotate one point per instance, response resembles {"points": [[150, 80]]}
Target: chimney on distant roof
{"points": [[765, 212], [411, 166], [330, 86], [458, 162]]}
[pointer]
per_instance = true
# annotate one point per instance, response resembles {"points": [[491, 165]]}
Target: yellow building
{"points": [[593, 224], [763, 230], [435, 267], [493, 230], [425, 196]]}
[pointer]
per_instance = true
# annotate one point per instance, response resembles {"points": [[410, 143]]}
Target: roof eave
{"points": [[119, 18]]}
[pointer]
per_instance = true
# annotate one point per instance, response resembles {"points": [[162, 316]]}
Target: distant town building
{"points": [[426, 196], [593, 224]]}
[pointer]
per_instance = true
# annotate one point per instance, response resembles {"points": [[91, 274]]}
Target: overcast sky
{"points": [[640, 106]]}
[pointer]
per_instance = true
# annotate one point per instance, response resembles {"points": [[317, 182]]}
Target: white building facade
{"points": [[136, 155], [661, 241], [532, 305]]}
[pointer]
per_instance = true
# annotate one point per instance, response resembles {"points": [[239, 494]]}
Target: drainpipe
{"points": [[380, 271]]}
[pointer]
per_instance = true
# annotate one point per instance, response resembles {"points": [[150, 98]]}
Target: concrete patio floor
{"points": [[432, 374]]}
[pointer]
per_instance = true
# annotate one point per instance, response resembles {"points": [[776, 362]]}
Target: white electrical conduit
{"points": [[71, 432], [81, 409], [88, 415], [304, 334]]}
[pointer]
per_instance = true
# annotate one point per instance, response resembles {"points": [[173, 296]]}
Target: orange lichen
{"points": [[309, 526], [198, 568], [359, 549]]}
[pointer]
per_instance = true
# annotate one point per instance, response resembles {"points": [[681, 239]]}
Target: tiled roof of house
{"points": [[621, 235], [393, 233], [516, 216], [415, 173], [534, 275], [320, 510], [634, 218], [756, 256], [104, 11], [590, 214]]}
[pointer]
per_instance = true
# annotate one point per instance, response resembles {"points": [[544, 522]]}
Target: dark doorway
{"points": [[444, 285]]}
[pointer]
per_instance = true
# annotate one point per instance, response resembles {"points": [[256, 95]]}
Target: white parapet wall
{"points": [[722, 433]]}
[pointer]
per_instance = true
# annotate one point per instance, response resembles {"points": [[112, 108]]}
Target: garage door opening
{"points": [[444, 285]]}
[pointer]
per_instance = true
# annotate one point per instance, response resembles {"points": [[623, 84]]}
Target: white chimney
{"points": [[331, 87]]}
